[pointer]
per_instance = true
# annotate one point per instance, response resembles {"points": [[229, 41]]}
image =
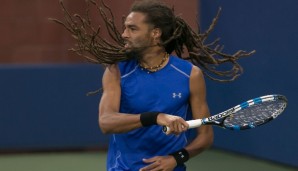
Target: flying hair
{"points": [[176, 36]]}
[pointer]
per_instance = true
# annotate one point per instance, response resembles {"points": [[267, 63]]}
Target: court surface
{"points": [[210, 160]]}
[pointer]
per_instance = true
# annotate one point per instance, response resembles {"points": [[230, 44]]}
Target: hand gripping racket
{"points": [[246, 115]]}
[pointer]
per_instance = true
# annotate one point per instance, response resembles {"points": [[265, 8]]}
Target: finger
{"points": [[151, 160], [172, 129], [151, 166], [157, 169], [183, 125], [180, 126], [186, 126]]}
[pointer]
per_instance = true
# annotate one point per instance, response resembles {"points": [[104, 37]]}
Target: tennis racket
{"points": [[252, 113]]}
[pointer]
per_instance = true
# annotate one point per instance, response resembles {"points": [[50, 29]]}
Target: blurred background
{"points": [[47, 122]]}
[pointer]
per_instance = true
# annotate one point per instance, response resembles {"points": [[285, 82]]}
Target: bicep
{"points": [[200, 110], [110, 100], [110, 120], [198, 94]]}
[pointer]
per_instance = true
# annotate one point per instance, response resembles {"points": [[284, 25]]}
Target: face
{"points": [[138, 34]]}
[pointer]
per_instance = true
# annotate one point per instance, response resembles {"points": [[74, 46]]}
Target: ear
{"points": [[156, 33]]}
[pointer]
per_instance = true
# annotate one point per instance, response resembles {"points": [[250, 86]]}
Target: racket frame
{"points": [[213, 120]]}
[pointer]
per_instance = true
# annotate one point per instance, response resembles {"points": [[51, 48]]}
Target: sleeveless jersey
{"points": [[166, 91]]}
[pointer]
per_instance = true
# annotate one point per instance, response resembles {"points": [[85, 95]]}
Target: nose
{"points": [[124, 34]]}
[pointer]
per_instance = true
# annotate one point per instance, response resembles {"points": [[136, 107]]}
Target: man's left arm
{"points": [[204, 138], [199, 106]]}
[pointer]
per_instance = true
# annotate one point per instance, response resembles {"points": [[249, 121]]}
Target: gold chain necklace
{"points": [[157, 67]]}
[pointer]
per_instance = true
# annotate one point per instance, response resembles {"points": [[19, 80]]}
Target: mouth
{"points": [[126, 46]]}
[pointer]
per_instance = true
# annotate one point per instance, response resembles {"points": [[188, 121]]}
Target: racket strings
{"points": [[255, 115]]}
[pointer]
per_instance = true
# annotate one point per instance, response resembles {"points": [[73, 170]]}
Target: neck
{"points": [[154, 61], [152, 57]]}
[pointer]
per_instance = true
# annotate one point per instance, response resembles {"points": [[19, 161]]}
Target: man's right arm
{"points": [[110, 120]]}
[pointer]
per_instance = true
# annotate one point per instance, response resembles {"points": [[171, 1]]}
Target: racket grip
{"points": [[192, 124]]}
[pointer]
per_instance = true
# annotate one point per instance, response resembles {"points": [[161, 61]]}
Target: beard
{"points": [[135, 52], [136, 49], [132, 54]]}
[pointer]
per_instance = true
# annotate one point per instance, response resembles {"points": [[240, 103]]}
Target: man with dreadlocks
{"points": [[145, 86], [151, 90]]}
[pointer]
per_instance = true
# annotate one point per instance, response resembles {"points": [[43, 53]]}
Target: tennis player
{"points": [[146, 87], [153, 89]]}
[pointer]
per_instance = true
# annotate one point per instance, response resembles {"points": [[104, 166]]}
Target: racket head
{"points": [[255, 112]]}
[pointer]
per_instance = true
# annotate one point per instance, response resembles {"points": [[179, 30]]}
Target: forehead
{"points": [[135, 18]]}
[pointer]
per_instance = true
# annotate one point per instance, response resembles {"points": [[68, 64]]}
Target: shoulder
{"points": [[181, 65], [126, 67], [111, 77], [196, 72], [179, 61], [197, 80]]}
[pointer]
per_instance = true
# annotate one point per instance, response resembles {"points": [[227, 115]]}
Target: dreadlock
{"points": [[176, 34]]}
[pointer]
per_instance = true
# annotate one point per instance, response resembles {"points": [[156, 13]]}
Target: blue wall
{"points": [[46, 107], [271, 28]]}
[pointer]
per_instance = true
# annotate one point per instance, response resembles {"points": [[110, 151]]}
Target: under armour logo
{"points": [[179, 95], [181, 155]]}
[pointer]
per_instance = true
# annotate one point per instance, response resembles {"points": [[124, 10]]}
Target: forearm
{"points": [[202, 142], [200, 110], [119, 122]]}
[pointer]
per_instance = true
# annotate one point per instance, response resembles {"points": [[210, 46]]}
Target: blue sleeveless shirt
{"points": [[166, 91]]}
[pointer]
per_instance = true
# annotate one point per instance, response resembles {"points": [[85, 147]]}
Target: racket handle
{"points": [[192, 124]]}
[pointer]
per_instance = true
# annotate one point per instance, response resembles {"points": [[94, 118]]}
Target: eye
{"points": [[133, 29]]}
